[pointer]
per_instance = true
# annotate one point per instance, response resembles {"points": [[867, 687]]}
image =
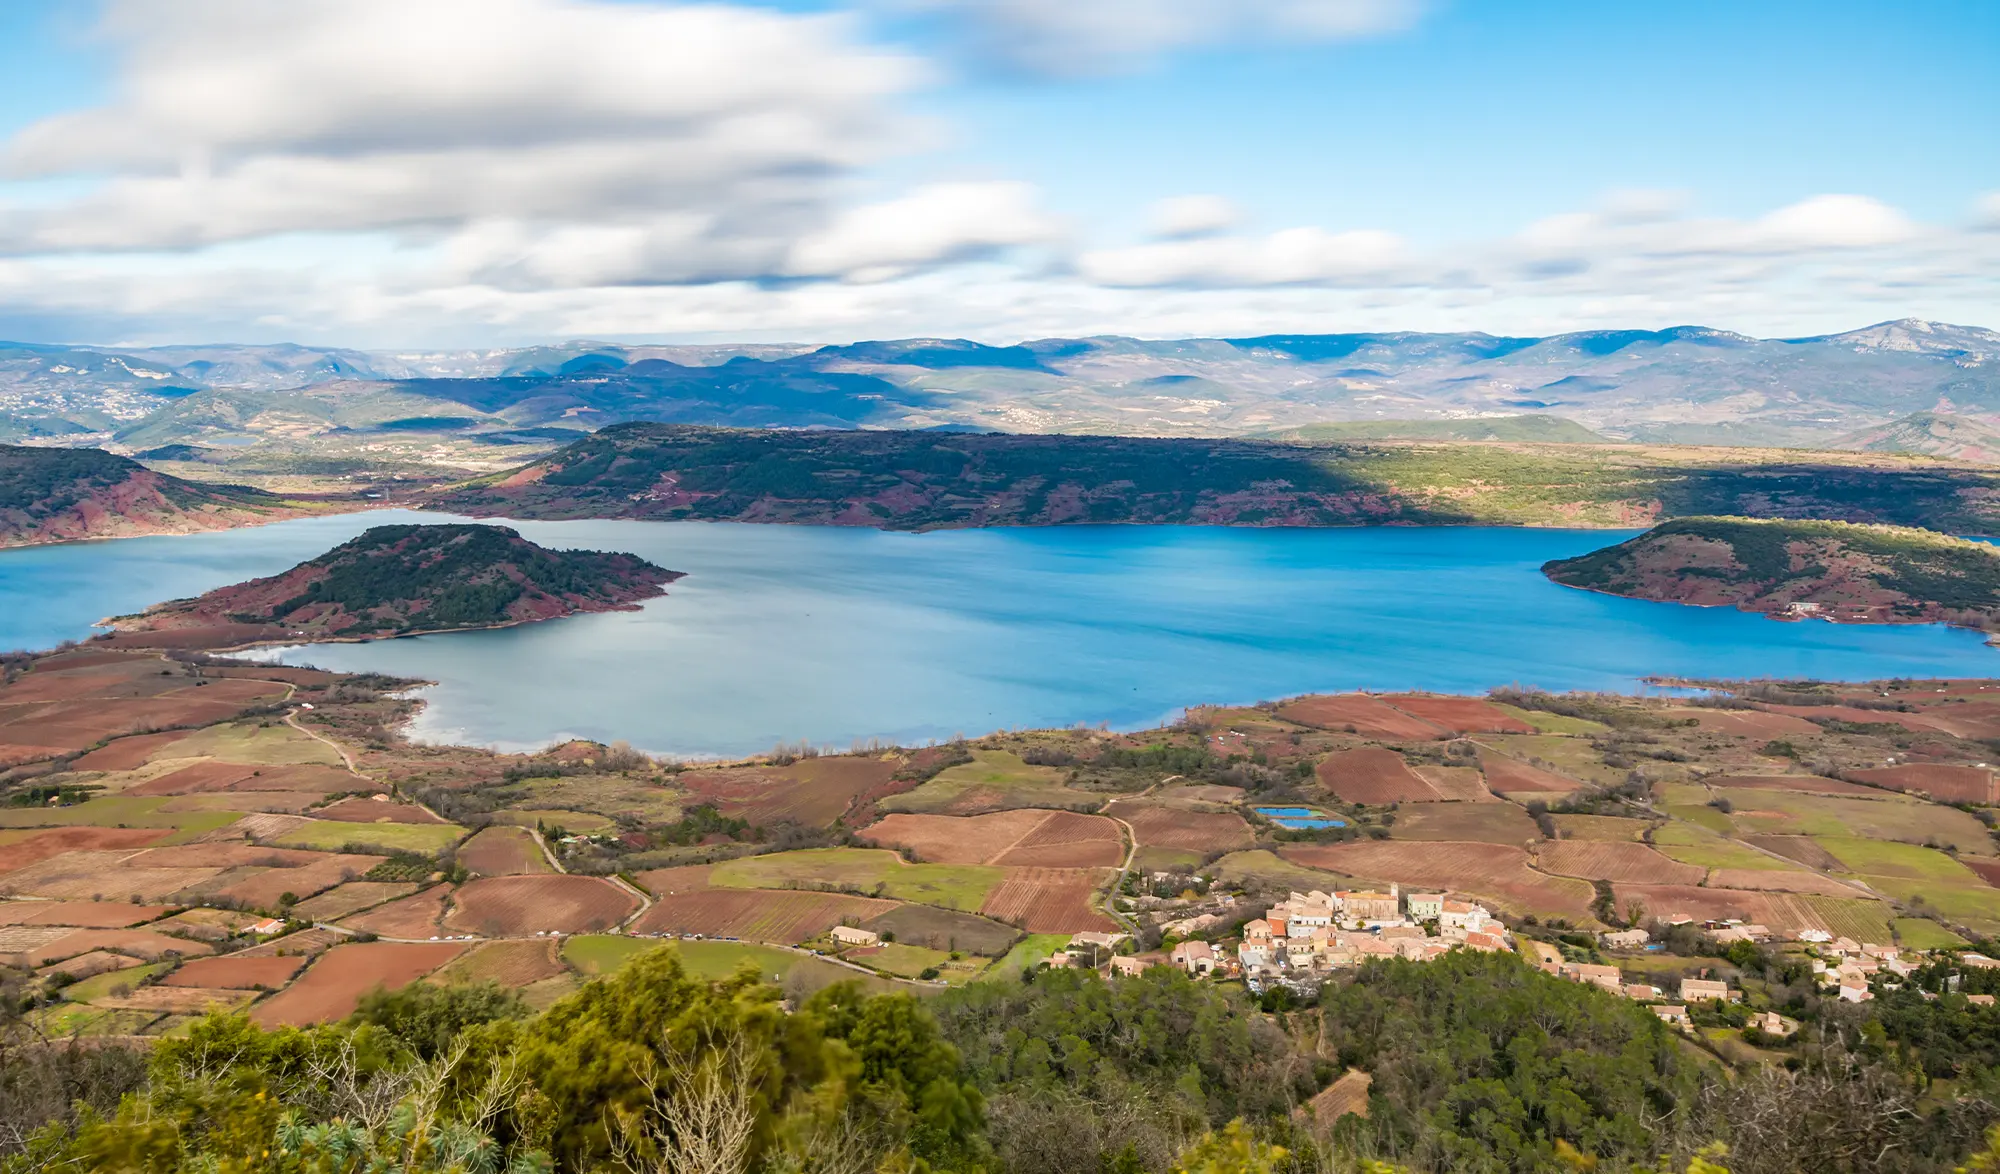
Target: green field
{"points": [[905, 961], [1891, 817], [575, 822], [1014, 783], [332, 835], [1262, 866], [1864, 921], [1885, 858], [609, 796], [99, 985], [63, 1019], [277, 744], [1602, 827], [1691, 844], [1027, 954], [596, 954], [115, 811], [1166, 860], [872, 871], [1552, 723], [1920, 933]]}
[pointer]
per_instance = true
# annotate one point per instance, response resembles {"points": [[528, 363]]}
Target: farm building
{"points": [[848, 935], [1624, 939], [1194, 957], [1696, 990]]}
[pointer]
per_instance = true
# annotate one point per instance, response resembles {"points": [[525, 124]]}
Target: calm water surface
{"points": [[832, 635]]}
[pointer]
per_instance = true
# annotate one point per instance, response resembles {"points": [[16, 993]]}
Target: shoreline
{"points": [[1992, 634]]}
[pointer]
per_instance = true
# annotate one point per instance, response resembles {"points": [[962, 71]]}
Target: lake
{"points": [[833, 635]]}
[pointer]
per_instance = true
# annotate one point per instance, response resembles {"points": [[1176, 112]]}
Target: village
{"points": [[1301, 940]]}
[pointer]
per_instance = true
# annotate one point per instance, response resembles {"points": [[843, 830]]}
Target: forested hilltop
{"points": [[394, 580], [61, 495], [1796, 570], [926, 480]]}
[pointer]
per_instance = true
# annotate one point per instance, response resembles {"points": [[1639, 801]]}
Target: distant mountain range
{"points": [[1682, 385]]}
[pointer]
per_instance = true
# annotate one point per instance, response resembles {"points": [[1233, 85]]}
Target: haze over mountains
{"points": [[1681, 385]]}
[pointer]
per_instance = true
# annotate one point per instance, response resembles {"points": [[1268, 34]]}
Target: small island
{"points": [[1791, 570], [403, 580]]}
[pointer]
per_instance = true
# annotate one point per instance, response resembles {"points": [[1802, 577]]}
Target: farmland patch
{"points": [[332, 987], [516, 905]]}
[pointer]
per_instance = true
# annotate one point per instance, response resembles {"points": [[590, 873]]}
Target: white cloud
{"points": [[547, 141], [1986, 211], [1076, 37], [1186, 216], [1835, 222], [1291, 257], [936, 223]]}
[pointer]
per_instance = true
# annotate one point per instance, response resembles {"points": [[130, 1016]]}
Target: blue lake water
{"points": [[1298, 818], [832, 635]]}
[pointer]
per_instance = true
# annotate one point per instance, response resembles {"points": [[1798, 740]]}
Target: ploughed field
{"points": [[178, 835]]}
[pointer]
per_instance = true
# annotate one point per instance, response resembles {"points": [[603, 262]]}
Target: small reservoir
{"points": [[1299, 818]]}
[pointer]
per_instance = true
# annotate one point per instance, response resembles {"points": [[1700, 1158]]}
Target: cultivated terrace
{"points": [[1451, 933]]}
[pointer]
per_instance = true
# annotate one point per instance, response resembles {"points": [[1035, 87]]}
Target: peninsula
{"points": [[1791, 569], [67, 494], [402, 580], [907, 480]]}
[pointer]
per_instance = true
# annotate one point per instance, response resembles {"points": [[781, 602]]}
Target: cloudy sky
{"points": [[411, 173]]}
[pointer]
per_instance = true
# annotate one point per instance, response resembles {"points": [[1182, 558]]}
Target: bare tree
{"points": [[700, 1112]]}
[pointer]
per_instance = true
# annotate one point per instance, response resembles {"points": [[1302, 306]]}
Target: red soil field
{"points": [[1782, 912], [363, 810], [1369, 717], [335, 983], [1462, 784], [684, 879], [1808, 784], [82, 914], [1799, 848], [1613, 861], [1945, 784], [264, 890], [196, 779], [1988, 870], [1496, 872], [412, 917], [1460, 715], [56, 841], [290, 802], [307, 942], [503, 851], [1196, 831], [84, 965], [1745, 723], [1913, 722], [237, 972], [516, 905], [1783, 881], [128, 753], [811, 791], [758, 915], [100, 875], [1026, 836], [222, 856], [1975, 720], [140, 943], [1511, 777], [1049, 900], [1373, 775], [509, 964], [306, 776]]}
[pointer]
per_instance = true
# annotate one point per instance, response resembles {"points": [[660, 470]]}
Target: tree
{"points": [[1235, 1150]]}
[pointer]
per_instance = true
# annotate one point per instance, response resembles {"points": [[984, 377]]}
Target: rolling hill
{"points": [[1931, 434], [62, 495], [1797, 570], [395, 580], [927, 480]]}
